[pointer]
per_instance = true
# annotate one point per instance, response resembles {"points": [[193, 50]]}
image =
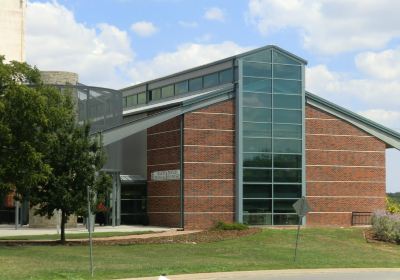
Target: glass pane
{"points": [[256, 84], [226, 76], [257, 175], [257, 191], [257, 114], [287, 191], [286, 219], [255, 69], [287, 146], [131, 100], [284, 206], [196, 84], [257, 219], [257, 206], [287, 116], [287, 71], [210, 80], [257, 129], [264, 55], [167, 91], [142, 98], [181, 87], [287, 175], [252, 99], [287, 161], [287, 130], [257, 160], [287, 86], [155, 94], [279, 57], [262, 145], [287, 101], [124, 102]]}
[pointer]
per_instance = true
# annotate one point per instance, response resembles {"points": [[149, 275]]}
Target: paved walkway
{"points": [[7, 230], [295, 274]]}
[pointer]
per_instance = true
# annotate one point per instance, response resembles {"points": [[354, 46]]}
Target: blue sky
{"points": [[352, 46]]}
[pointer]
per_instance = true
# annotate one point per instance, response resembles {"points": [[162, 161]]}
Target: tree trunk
{"points": [[62, 226]]}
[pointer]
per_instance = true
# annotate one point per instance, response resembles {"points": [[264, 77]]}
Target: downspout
{"points": [[181, 167]]}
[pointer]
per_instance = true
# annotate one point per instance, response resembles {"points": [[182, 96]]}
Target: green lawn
{"points": [[72, 235], [271, 249]]}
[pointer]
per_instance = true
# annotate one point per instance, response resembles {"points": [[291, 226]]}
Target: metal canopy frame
{"points": [[390, 137], [198, 101]]}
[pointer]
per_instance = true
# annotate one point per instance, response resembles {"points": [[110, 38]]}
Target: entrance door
{"points": [[133, 204]]}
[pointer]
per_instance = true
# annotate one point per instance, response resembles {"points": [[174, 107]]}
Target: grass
{"points": [[270, 249], [72, 235]]}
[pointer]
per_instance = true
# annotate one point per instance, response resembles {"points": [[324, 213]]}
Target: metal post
{"points": [[89, 221], [113, 202], [16, 214], [297, 238]]}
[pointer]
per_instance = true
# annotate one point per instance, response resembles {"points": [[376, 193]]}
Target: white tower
{"points": [[12, 29]]}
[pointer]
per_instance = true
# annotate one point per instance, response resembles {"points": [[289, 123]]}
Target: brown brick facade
{"points": [[209, 165], [345, 169], [163, 197]]}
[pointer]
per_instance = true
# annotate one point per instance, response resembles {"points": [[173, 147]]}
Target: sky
{"points": [[352, 46]]}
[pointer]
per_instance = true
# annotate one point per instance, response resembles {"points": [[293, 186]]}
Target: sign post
{"points": [[302, 208]]}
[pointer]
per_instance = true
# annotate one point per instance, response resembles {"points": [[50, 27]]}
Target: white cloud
{"points": [[330, 26], [385, 117], [144, 28], [186, 56], [56, 41], [376, 92], [188, 24], [215, 13], [383, 65]]}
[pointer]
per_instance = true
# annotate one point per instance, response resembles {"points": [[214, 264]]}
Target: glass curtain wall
{"points": [[271, 137]]}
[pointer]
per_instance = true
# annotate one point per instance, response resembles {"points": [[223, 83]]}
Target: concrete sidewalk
{"points": [[7, 230], [292, 274]]}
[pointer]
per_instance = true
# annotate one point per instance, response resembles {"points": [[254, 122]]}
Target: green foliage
{"points": [[230, 226], [44, 153], [23, 125], [392, 205], [386, 226]]}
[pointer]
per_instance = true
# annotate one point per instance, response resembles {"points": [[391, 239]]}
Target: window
{"points": [[155, 94], [131, 100], [256, 84], [225, 76], [141, 98], [181, 88], [255, 69], [210, 80], [167, 91], [195, 84]]}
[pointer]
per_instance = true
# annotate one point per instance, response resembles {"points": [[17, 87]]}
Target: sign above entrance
{"points": [[166, 175]]}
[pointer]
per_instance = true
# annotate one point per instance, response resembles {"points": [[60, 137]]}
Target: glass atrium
{"points": [[270, 147]]}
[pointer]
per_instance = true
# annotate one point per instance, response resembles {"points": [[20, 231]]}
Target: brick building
{"points": [[241, 140]]}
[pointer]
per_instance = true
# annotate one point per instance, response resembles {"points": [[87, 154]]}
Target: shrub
{"points": [[386, 226], [230, 226], [392, 205]]}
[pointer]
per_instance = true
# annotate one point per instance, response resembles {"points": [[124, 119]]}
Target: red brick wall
{"points": [[163, 197], [345, 169], [209, 165]]}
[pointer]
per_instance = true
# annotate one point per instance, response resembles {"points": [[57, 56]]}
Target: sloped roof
{"points": [[387, 135]]}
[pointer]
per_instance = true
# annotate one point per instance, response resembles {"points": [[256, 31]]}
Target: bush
{"points": [[392, 205], [386, 226], [230, 226]]}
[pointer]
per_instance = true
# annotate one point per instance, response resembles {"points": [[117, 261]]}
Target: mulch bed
{"points": [[370, 237], [191, 238]]}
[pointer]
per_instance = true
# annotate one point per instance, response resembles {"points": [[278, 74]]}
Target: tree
{"points": [[76, 158], [44, 153], [23, 122]]}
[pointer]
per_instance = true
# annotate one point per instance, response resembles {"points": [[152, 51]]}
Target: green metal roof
{"points": [[387, 135]]}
